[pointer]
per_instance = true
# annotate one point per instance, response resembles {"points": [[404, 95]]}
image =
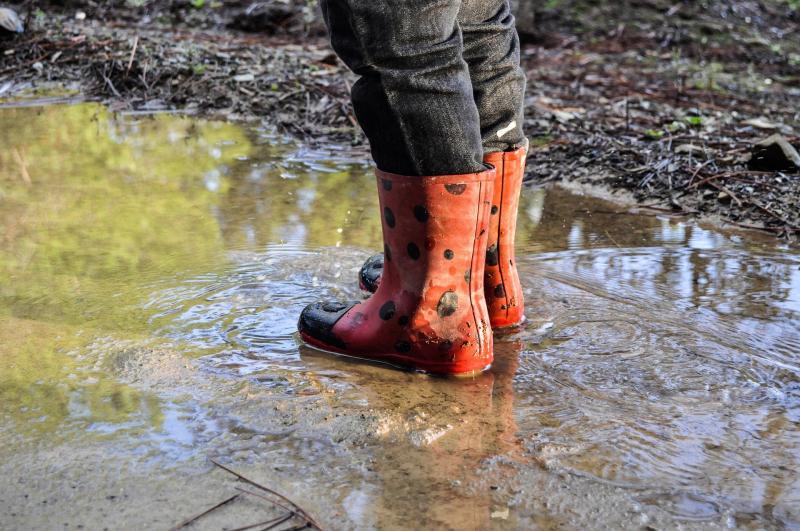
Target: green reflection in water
{"points": [[93, 208], [42, 387], [98, 211]]}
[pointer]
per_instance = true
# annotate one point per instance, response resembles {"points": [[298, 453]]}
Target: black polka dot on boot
{"points": [[499, 291], [387, 310], [389, 216], [491, 256], [455, 189], [387, 184], [449, 254], [421, 213], [413, 251]]}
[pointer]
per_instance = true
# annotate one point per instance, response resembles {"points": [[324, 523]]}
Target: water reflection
{"points": [[435, 435], [659, 355], [673, 362]]}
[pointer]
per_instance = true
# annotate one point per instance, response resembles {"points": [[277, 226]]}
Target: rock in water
{"points": [[9, 20], [774, 154]]}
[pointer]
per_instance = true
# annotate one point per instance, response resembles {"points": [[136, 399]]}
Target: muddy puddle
{"points": [[151, 272]]}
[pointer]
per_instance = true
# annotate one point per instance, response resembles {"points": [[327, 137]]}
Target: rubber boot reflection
{"points": [[431, 438]]}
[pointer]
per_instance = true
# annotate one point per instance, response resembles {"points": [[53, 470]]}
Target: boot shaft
{"points": [[435, 235], [510, 170], [503, 289], [429, 311], [434, 227]]}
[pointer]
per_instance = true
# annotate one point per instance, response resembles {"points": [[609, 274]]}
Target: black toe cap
{"points": [[318, 320], [370, 274]]}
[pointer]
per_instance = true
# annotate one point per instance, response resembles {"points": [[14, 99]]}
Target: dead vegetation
{"points": [[670, 103], [144, 64], [643, 124], [665, 99], [291, 516]]}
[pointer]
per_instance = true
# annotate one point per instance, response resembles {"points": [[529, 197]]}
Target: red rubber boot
{"points": [[503, 291], [429, 312], [501, 280]]}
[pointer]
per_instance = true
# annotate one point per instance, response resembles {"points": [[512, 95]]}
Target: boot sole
{"points": [[507, 326], [397, 361]]}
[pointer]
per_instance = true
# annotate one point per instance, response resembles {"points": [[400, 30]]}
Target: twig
{"points": [[257, 495], [612, 239], [725, 190], [111, 85], [199, 516], [703, 165], [727, 174], [274, 493], [276, 524], [775, 215], [751, 226], [707, 180], [133, 54]]}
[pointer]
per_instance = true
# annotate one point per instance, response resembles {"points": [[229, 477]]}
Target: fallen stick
{"points": [[133, 54], [292, 512], [207, 511], [298, 509]]}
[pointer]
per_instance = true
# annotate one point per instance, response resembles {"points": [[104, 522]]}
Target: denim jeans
{"points": [[440, 81]]}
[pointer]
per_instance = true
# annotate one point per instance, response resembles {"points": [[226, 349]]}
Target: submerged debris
{"points": [[293, 511]]}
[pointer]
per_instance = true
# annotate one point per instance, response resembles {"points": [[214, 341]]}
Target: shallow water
{"points": [[151, 273]]}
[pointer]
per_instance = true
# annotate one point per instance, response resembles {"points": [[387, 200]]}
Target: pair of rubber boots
{"points": [[445, 279]]}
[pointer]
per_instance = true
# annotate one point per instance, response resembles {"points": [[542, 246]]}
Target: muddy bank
{"points": [[663, 100], [141, 60]]}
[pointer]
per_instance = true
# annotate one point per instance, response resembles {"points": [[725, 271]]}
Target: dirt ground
{"points": [[660, 99]]}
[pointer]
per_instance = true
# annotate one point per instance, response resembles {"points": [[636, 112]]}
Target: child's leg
{"points": [[414, 97], [414, 101], [491, 49]]}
